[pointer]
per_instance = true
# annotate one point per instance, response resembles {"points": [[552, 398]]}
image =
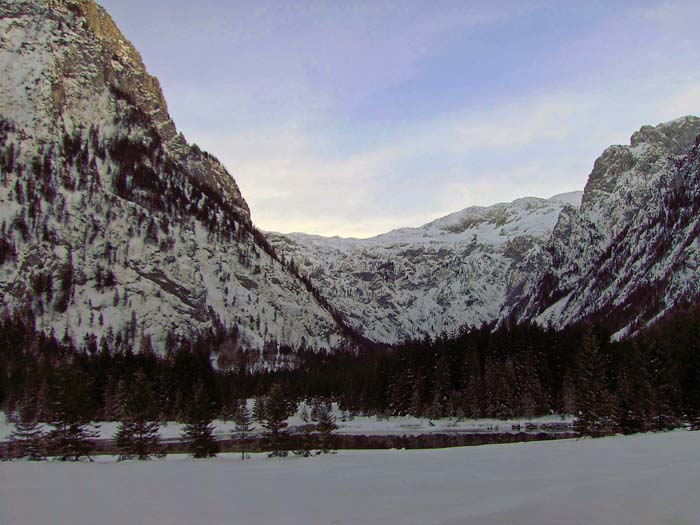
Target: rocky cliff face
{"points": [[631, 251], [412, 282], [58, 60], [111, 222], [628, 253]]}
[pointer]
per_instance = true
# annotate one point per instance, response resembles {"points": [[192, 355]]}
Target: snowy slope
{"points": [[112, 223], [649, 479], [632, 250], [624, 252], [447, 274]]}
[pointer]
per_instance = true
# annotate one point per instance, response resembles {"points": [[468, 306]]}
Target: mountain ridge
{"points": [[114, 225], [627, 184], [631, 203], [454, 269]]}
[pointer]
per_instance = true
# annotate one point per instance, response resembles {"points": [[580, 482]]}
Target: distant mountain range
{"points": [[623, 252], [413, 282], [113, 225]]}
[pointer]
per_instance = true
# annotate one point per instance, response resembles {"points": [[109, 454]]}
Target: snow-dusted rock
{"points": [[450, 273], [630, 252], [112, 223]]}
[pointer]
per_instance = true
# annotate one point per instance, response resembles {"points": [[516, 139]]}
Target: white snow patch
{"points": [[644, 479]]}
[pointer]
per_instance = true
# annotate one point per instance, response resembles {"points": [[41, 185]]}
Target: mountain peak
{"points": [[112, 223], [572, 198], [675, 135], [647, 146], [63, 66], [101, 24]]}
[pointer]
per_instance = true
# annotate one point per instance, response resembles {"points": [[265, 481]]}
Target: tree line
{"points": [[69, 435], [649, 382]]}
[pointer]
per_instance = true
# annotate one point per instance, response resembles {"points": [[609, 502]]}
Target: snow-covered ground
{"points": [[640, 480]]}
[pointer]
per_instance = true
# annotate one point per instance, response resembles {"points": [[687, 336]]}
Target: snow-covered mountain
{"points": [[111, 222], [449, 273], [626, 255], [632, 250]]}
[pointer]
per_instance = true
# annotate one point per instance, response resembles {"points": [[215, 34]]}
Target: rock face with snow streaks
{"points": [[413, 282], [112, 222], [632, 250]]}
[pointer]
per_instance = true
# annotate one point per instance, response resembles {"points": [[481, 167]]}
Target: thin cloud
{"points": [[686, 101], [331, 116], [535, 147]]}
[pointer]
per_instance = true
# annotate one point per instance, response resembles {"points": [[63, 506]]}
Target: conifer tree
{"points": [[116, 400], [594, 402], [568, 396], [691, 379], [304, 441], [665, 395], [401, 389], [138, 431], [443, 385], [499, 382], [72, 436], [275, 421], [473, 396], [416, 404], [259, 409], [27, 440], [198, 433], [633, 393], [42, 403], [244, 426], [326, 426]]}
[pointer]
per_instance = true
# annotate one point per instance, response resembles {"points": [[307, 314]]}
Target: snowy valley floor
{"points": [[643, 479]]}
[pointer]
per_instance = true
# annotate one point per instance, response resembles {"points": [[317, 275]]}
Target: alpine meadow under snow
{"points": [[640, 480]]}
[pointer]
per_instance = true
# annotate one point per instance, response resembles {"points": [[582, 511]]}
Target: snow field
{"points": [[641, 480]]}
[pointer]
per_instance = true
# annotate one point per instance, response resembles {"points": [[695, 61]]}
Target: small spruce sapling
{"points": [[27, 440], [326, 426], [244, 426]]}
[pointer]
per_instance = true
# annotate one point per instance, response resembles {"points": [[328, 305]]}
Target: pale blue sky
{"points": [[352, 118]]}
